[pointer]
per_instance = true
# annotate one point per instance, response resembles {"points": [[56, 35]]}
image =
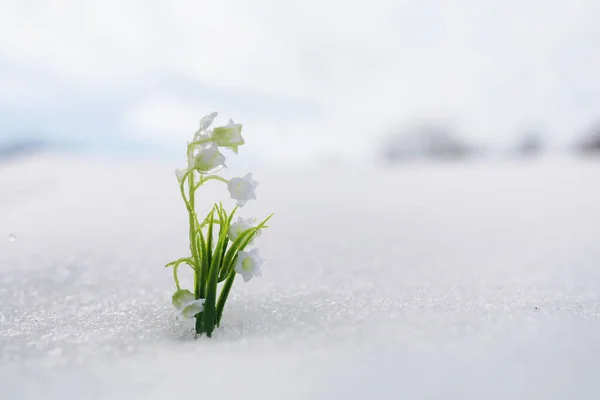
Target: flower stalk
{"points": [[218, 246]]}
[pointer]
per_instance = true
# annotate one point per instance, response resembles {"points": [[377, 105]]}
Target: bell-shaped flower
{"points": [[229, 136], [242, 189], [185, 302], [180, 173], [240, 226], [209, 159], [203, 132], [248, 264]]}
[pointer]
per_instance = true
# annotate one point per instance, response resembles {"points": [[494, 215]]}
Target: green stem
{"points": [[182, 190], [189, 203], [175, 277], [193, 247], [197, 143], [193, 227], [215, 177]]}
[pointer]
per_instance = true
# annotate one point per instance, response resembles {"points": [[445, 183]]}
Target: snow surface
{"points": [[451, 281]]}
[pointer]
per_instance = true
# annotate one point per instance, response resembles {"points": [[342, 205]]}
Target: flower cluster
{"points": [[217, 244]]}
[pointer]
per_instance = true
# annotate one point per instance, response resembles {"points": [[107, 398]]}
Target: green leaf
{"points": [[235, 247], [208, 217], [222, 269], [222, 213], [224, 294], [231, 216], [210, 317], [209, 237], [209, 308], [200, 291], [223, 240]]}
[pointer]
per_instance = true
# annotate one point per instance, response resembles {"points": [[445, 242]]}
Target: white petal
{"points": [[207, 120], [192, 308], [241, 189], [253, 268], [181, 298], [209, 159]]}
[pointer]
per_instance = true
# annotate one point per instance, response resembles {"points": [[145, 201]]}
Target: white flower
{"points": [[229, 136], [191, 309], [205, 123], [241, 225], [180, 172], [248, 264], [207, 120], [209, 159], [186, 304], [242, 189]]}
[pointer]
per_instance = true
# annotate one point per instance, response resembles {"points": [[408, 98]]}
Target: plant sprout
{"points": [[217, 243]]}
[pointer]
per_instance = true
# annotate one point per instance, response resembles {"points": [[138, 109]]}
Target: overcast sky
{"points": [[302, 76]]}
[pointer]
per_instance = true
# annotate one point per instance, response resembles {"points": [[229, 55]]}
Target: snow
{"points": [[450, 280]]}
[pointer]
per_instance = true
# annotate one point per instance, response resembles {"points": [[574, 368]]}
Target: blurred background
{"points": [[310, 80]]}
